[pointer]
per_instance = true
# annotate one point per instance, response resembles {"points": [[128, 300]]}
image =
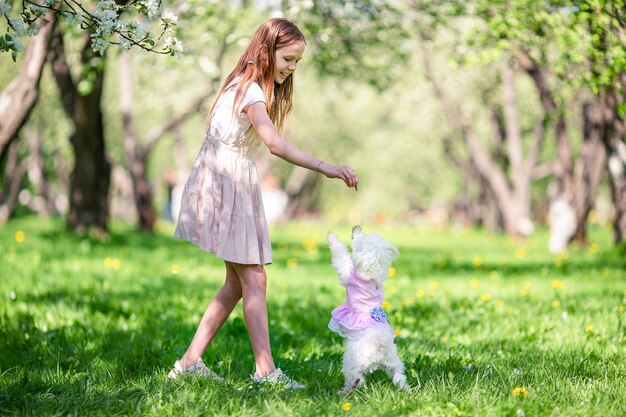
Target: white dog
{"points": [[361, 319]]}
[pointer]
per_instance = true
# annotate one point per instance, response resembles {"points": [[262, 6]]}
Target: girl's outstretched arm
{"points": [[278, 146]]}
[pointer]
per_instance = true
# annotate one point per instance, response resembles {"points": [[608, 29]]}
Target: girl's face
{"points": [[286, 60]]}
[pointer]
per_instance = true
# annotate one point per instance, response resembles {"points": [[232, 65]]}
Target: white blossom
{"points": [[174, 46], [169, 18], [38, 11], [134, 30], [125, 44], [18, 27], [72, 19], [5, 8], [98, 43], [16, 44], [152, 8], [106, 17], [106, 21], [33, 30]]}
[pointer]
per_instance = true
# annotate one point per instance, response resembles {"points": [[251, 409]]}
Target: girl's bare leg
{"points": [[214, 317], [253, 285]]}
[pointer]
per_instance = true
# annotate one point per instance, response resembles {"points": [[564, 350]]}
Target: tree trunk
{"points": [[567, 203], [613, 134], [480, 209], [91, 175], [511, 195], [43, 203], [562, 165], [19, 97], [588, 170], [300, 189], [15, 171], [136, 155]]}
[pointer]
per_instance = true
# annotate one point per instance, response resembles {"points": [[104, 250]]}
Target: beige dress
{"points": [[221, 209]]}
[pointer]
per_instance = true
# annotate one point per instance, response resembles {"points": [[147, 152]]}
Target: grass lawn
{"points": [[488, 325]]}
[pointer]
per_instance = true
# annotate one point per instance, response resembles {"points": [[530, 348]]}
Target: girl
{"points": [[221, 208]]}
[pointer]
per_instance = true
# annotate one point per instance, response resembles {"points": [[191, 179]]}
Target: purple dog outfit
{"points": [[362, 309]]}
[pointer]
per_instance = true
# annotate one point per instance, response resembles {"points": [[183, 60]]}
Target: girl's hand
{"points": [[343, 172]]}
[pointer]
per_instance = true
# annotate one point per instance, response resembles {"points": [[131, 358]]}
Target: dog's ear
{"points": [[395, 253], [389, 250]]}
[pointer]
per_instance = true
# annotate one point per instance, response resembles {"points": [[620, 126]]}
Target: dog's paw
{"points": [[406, 387], [332, 238], [400, 382]]}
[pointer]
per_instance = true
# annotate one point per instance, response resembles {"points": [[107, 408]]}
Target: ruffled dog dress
{"points": [[362, 309]]}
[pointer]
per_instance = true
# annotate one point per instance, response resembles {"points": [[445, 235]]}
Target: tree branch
{"points": [[153, 136], [512, 123], [20, 96]]}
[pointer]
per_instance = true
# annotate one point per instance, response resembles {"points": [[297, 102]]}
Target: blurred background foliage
{"points": [[391, 88]]}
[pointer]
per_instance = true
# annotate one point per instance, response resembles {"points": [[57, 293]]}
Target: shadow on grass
{"points": [[117, 350]]}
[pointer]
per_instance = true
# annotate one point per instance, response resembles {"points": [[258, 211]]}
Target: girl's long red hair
{"points": [[257, 64]]}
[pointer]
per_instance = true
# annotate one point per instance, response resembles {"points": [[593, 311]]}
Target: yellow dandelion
{"points": [[624, 292], [20, 236], [397, 332], [486, 297], [310, 244], [621, 308], [557, 284], [500, 302], [589, 329], [474, 282], [392, 272], [386, 304], [421, 293], [346, 406], [519, 392], [175, 269], [527, 285], [477, 261], [434, 285], [555, 303], [393, 290], [520, 254], [524, 293], [593, 248], [292, 262]]}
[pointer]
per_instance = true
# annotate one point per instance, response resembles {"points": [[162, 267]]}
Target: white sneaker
{"points": [[278, 377], [198, 368]]}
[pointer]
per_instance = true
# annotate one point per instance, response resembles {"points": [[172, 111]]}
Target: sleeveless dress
{"points": [[362, 309], [221, 209]]}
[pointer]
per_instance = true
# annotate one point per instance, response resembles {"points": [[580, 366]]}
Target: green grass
{"points": [[91, 326]]}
